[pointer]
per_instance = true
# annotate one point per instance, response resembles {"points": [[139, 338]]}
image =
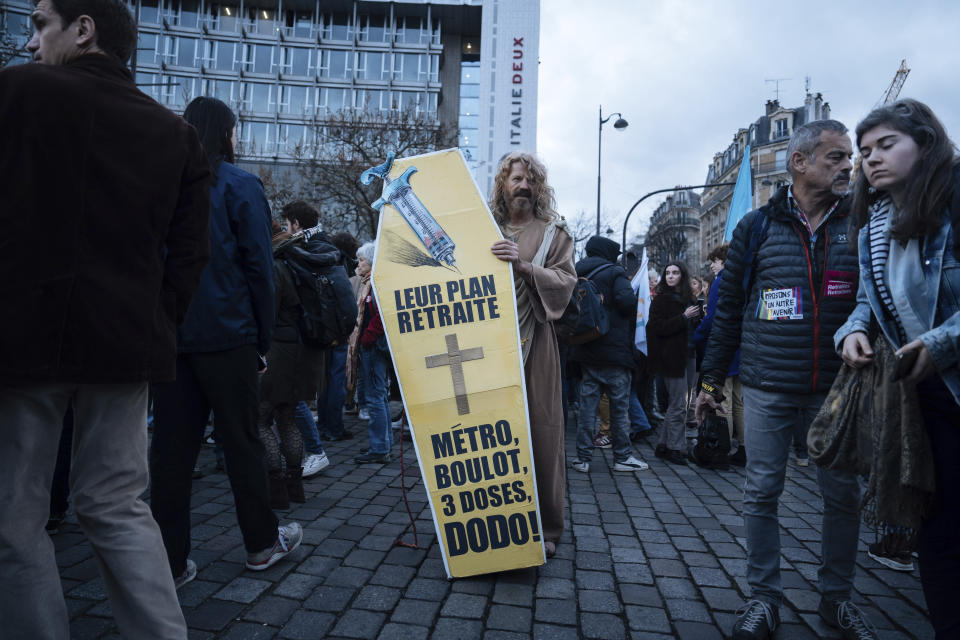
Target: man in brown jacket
{"points": [[88, 308]]}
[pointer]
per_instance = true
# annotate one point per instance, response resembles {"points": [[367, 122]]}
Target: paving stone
{"points": [[394, 631], [212, 615], [330, 598], [462, 605], [479, 586], [447, 628], [513, 593], [427, 589], [687, 610], [637, 573], [393, 575], [686, 630], [555, 611], [272, 610], [628, 555], [594, 580], [555, 588], [676, 588], [599, 601], [194, 593], [722, 599], [359, 624], [348, 577], [243, 590], [249, 631], [377, 598], [664, 567], [553, 632], [510, 618], [419, 612], [297, 585], [602, 625]]}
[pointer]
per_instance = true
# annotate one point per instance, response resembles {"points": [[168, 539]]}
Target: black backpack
{"points": [[328, 308], [584, 320], [713, 443]]}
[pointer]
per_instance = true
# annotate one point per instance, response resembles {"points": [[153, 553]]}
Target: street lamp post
{"points": [[653, 193], [619, 125]]}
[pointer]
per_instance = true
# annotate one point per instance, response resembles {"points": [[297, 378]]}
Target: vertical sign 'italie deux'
{"points": [[510, 49], [450, 316]]}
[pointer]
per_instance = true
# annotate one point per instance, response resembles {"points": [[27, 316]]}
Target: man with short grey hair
{"points": [[790, 280]]}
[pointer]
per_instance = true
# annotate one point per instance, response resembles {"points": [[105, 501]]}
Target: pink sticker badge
{"points": [[840, 285]]}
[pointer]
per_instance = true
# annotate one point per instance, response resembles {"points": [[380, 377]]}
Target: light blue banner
{"points": [[742, 200]]}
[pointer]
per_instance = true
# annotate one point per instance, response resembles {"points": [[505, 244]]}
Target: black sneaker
{"points": [[847, 617], [738, 459], [889, 556], [757, 621], [661, 451], [372, 458], [676, 457]]}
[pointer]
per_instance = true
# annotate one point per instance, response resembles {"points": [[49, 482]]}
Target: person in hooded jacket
{"points": [[294, 368], [607, 363]]}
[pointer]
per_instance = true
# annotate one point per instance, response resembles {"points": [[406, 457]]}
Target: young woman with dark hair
{"points": [[672, 316], [905, 208], [227, 329], [216, 124]]}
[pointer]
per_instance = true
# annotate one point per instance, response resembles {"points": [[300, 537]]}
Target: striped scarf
{"points": [[878, 229]]}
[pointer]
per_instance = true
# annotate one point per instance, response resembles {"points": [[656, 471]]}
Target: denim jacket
{"points": [[939, 265]]}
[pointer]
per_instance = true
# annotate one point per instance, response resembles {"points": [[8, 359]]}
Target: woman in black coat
{"points": [[672, 317]]}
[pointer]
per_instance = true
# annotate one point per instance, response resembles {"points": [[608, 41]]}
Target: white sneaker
{"points": [[188, 575], [314, 463], [581, 466], [288, 539], [363, 415], [631, 464]]}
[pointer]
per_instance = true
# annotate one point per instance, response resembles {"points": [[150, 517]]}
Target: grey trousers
{"points": [[107, 477], [770, 421]]}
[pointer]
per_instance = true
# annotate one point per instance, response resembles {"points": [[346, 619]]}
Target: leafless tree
{"points": [[327, 174], [666, 245], [9, 47]]}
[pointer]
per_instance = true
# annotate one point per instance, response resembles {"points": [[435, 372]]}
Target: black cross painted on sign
{"points": [[454, 358]]}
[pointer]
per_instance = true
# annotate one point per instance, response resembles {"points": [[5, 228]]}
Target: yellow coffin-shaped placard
{"points": [[449, 311]]}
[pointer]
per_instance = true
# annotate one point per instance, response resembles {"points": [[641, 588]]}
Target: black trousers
{"points": [[226, 382], [60, 489], [939, 544]]}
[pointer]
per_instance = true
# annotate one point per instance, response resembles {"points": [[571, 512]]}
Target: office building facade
{"points": [[286, 66]]}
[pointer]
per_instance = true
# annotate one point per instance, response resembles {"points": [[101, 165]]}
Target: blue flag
{"points": [[742, 200]]}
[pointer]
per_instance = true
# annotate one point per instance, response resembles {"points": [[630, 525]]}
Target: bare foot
{"points": [[550, 548]]}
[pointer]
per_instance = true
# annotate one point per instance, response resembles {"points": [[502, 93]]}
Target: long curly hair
{"points": [[545, 206], [929, 185]]}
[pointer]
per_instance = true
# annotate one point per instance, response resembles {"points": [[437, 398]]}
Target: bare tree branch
{"points": [[347, 143]]}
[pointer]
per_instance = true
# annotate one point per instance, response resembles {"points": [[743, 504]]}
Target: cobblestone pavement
{"points": [[654, 554]]}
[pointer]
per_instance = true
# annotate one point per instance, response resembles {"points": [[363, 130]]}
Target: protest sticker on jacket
{"points": [[449, 311]]}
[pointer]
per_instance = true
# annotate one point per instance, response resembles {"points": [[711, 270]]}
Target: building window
{"points": [[147, 48], [781, 128], [335, 26], [408, 30], [282, 60]]}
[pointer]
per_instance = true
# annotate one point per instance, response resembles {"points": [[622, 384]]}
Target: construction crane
{"points": [[893, 90]]}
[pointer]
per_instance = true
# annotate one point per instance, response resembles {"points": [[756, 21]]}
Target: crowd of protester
{"points": [[822, 306]]}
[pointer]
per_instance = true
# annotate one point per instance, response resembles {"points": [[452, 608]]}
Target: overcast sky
{"points": [[686, 74]]}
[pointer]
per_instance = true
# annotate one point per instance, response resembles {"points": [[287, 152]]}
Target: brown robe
{"points": [[551, 286]]}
